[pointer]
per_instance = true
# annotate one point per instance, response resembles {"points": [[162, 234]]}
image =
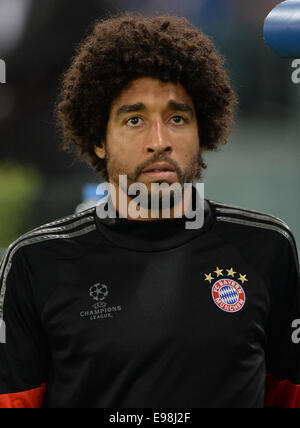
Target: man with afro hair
{"points": [[137, 311]]}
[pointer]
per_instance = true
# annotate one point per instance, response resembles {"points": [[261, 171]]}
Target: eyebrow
{"points": [[130, 108], [174, 105]]}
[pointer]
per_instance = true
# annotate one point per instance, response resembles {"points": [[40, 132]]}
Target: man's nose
{"points": [[158, 138]]}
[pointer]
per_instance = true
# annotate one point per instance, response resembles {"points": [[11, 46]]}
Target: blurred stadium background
{"points": [[258, 169]]}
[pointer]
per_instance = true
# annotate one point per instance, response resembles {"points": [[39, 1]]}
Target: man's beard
{"points": [[152, 201]]}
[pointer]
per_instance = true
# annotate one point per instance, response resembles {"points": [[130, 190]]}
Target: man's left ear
{"points": [[100, 150]]}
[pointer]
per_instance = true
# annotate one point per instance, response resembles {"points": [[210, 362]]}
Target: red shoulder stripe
{"points": [[281, 394], [31, 399]]}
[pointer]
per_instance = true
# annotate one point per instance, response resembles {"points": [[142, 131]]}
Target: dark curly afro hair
{"points": [[121, 49]]}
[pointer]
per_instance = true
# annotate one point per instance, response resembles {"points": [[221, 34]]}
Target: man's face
{"points": [[152, 122]]}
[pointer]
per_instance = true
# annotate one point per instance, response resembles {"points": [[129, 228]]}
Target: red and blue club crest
{"points": [[228, 295]]}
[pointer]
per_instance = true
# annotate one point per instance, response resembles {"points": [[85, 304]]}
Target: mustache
{"points": [[155, 159]]}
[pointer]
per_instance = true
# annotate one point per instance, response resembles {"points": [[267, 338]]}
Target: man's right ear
{"points": [[100, 150]]}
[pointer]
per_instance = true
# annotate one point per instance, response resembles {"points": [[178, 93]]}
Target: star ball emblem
{"points": [[227, 292]]}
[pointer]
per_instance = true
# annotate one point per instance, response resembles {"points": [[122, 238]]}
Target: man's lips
{"points": [[161, 175], [160, 170]]}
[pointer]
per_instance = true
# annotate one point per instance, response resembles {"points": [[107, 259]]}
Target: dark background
{"points": [[259, 168]]}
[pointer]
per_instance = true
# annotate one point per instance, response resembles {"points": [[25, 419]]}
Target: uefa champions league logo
{"points": [[99, 310], [98, 292]]}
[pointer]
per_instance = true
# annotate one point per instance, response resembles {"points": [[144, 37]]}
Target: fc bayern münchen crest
{"points": [[228, 295], [226, 292]]}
